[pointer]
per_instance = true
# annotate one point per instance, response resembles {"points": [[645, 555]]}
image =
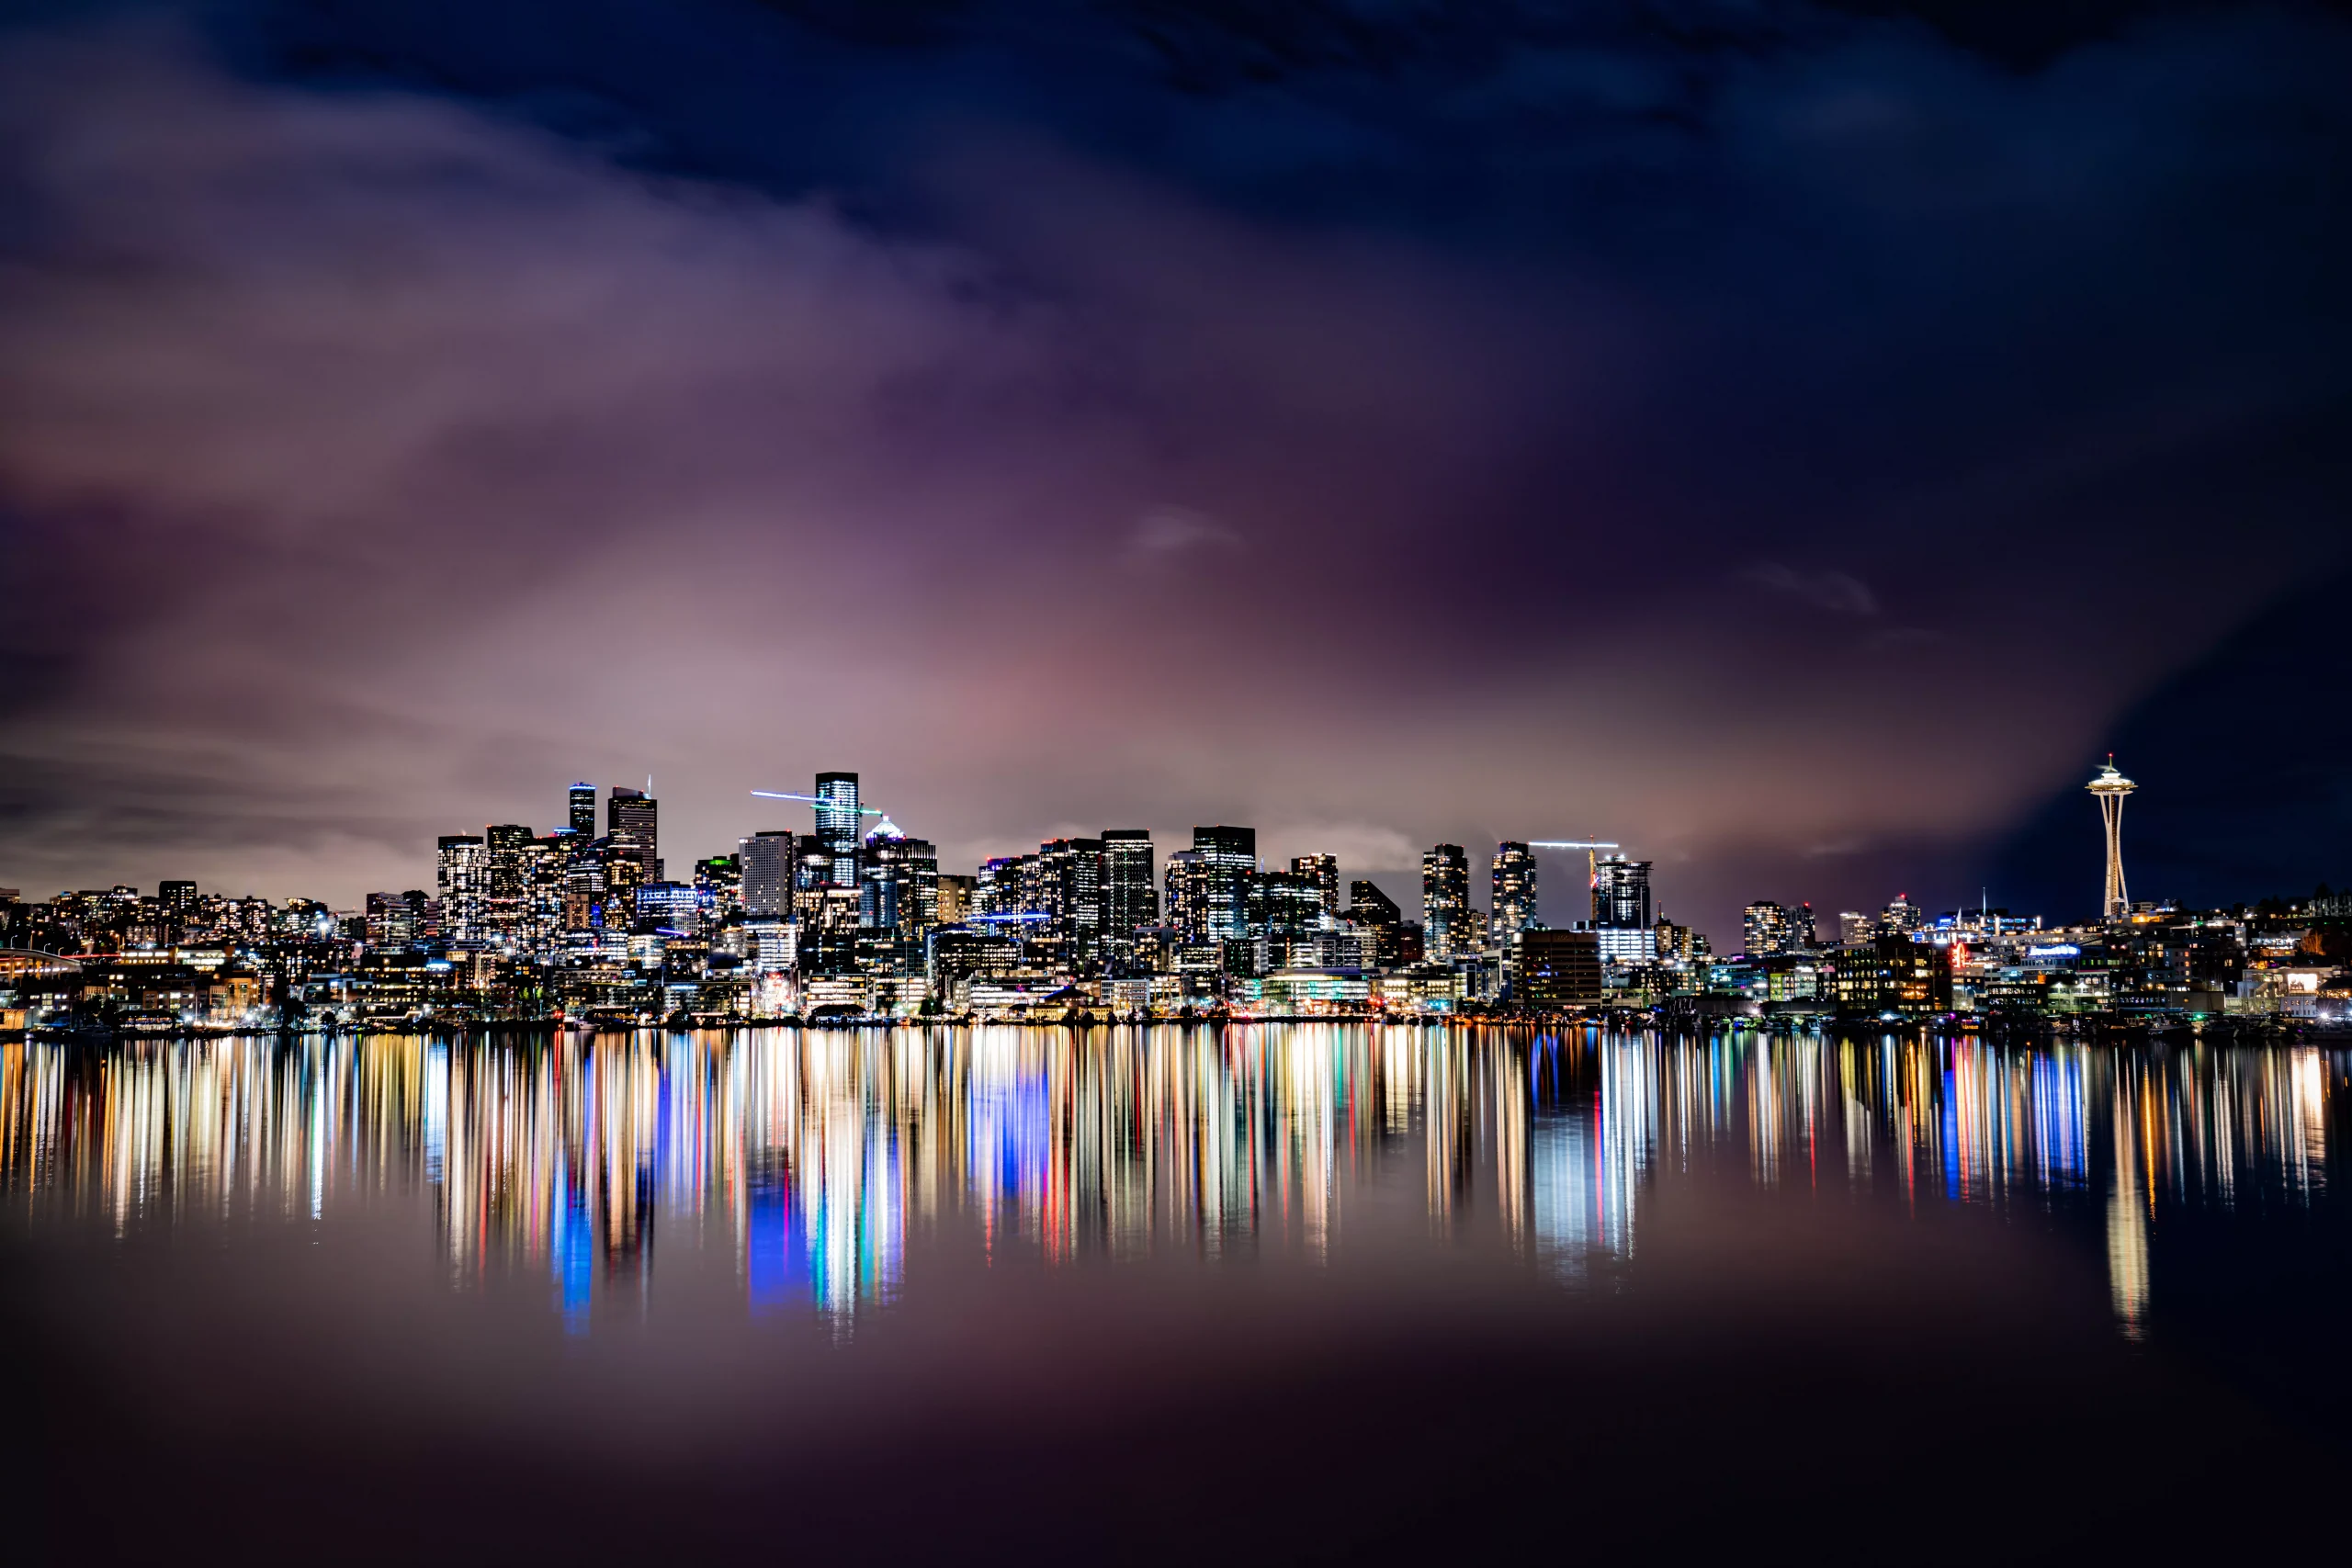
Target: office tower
{"points": [[583, 895], [1856, 930], [176, 911], [1445, 903], [1764, 930], [583, 811], [1368, 905], [1070, 886], [1548, 968], [2110, 787], [918, 885], [1514, 907], [464, 884], [768, 859], [837, 825], [1804, 935], [720, 879], [1323, 870], [674, 908], [632, 823], [1189, 884], [956, 897], [1001, 886], [1130, 898], [1230, 855], [1621, 892], [1286, 916], [886, 900], [1671, 944], [1902, 917]]}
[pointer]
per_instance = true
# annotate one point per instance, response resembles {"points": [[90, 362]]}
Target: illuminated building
{"points": [[1764, 930], [1620, 893], [671, 908], [1130, 897], [1230, 858], [1856, 930], [632, 826], [1446, 915], [1554, 969], [1893, 974], [583, 811], [1069, 887], [955, 894], [1286, 914], [464, 882], [1323, 870], [1514, 907], [768, 865], [837, 825], [1188, 895]]}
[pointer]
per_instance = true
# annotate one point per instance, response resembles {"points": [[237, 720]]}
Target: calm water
{"points": [[1267, 1293]]}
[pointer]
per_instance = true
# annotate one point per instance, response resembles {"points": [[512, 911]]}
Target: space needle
{"points": [[2111, 787]]}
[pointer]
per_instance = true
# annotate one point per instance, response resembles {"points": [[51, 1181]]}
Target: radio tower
{"points": [[2111, 787]]}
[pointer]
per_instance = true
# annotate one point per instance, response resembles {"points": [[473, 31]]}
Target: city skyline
{"points": [[1174, 441]]}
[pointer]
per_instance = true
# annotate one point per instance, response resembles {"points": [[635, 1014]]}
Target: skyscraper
{"points": [[1621, 892], [837, 825], [767, 873], [1070, 886], [464, 880], [632, 822], [1230, 857], [1445, 902], [1188, 895], [583, 811], [1514, 907], [1323, 870], [1129, 896]]}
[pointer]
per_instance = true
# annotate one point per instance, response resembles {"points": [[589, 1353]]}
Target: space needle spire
{"points": [[2111, 787]]}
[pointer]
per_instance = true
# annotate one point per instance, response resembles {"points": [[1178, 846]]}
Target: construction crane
{"points": [[1591, 848]]}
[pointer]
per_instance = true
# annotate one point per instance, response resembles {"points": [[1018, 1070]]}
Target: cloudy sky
{"points": [[1794, 440]]}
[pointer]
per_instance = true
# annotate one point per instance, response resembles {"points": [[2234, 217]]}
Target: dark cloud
{"points": [[1380, 423]]}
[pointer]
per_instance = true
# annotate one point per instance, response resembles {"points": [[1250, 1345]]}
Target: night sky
{"points": [[1796, 441]]}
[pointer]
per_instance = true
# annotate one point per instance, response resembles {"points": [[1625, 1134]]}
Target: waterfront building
{"points": [[1446, 914], [1765, 930], [1130, 894], [1514, 907], [1228, 857], [1554, 969]]}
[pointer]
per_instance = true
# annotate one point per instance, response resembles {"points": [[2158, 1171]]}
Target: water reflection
{"points": [[815, 1159]]}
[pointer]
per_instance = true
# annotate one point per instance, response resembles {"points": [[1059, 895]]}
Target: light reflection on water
{"points": [[816, 1158]]}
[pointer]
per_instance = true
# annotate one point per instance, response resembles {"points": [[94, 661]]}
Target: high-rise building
{"points": [[1323, 870], [1230, 855], [1902, 917], [768, 864], [632, 824], [1189, 896], [1765, 930], [1856, 930], [506, 895], [1514, 907], [464, 880], [837, 825], [956, 897], [583, 811], [1620, 893], [1070, 886], [1445, 903], [1804, 935], [917, 887], [880, 878], [1376, 914], [1130, 897]]}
